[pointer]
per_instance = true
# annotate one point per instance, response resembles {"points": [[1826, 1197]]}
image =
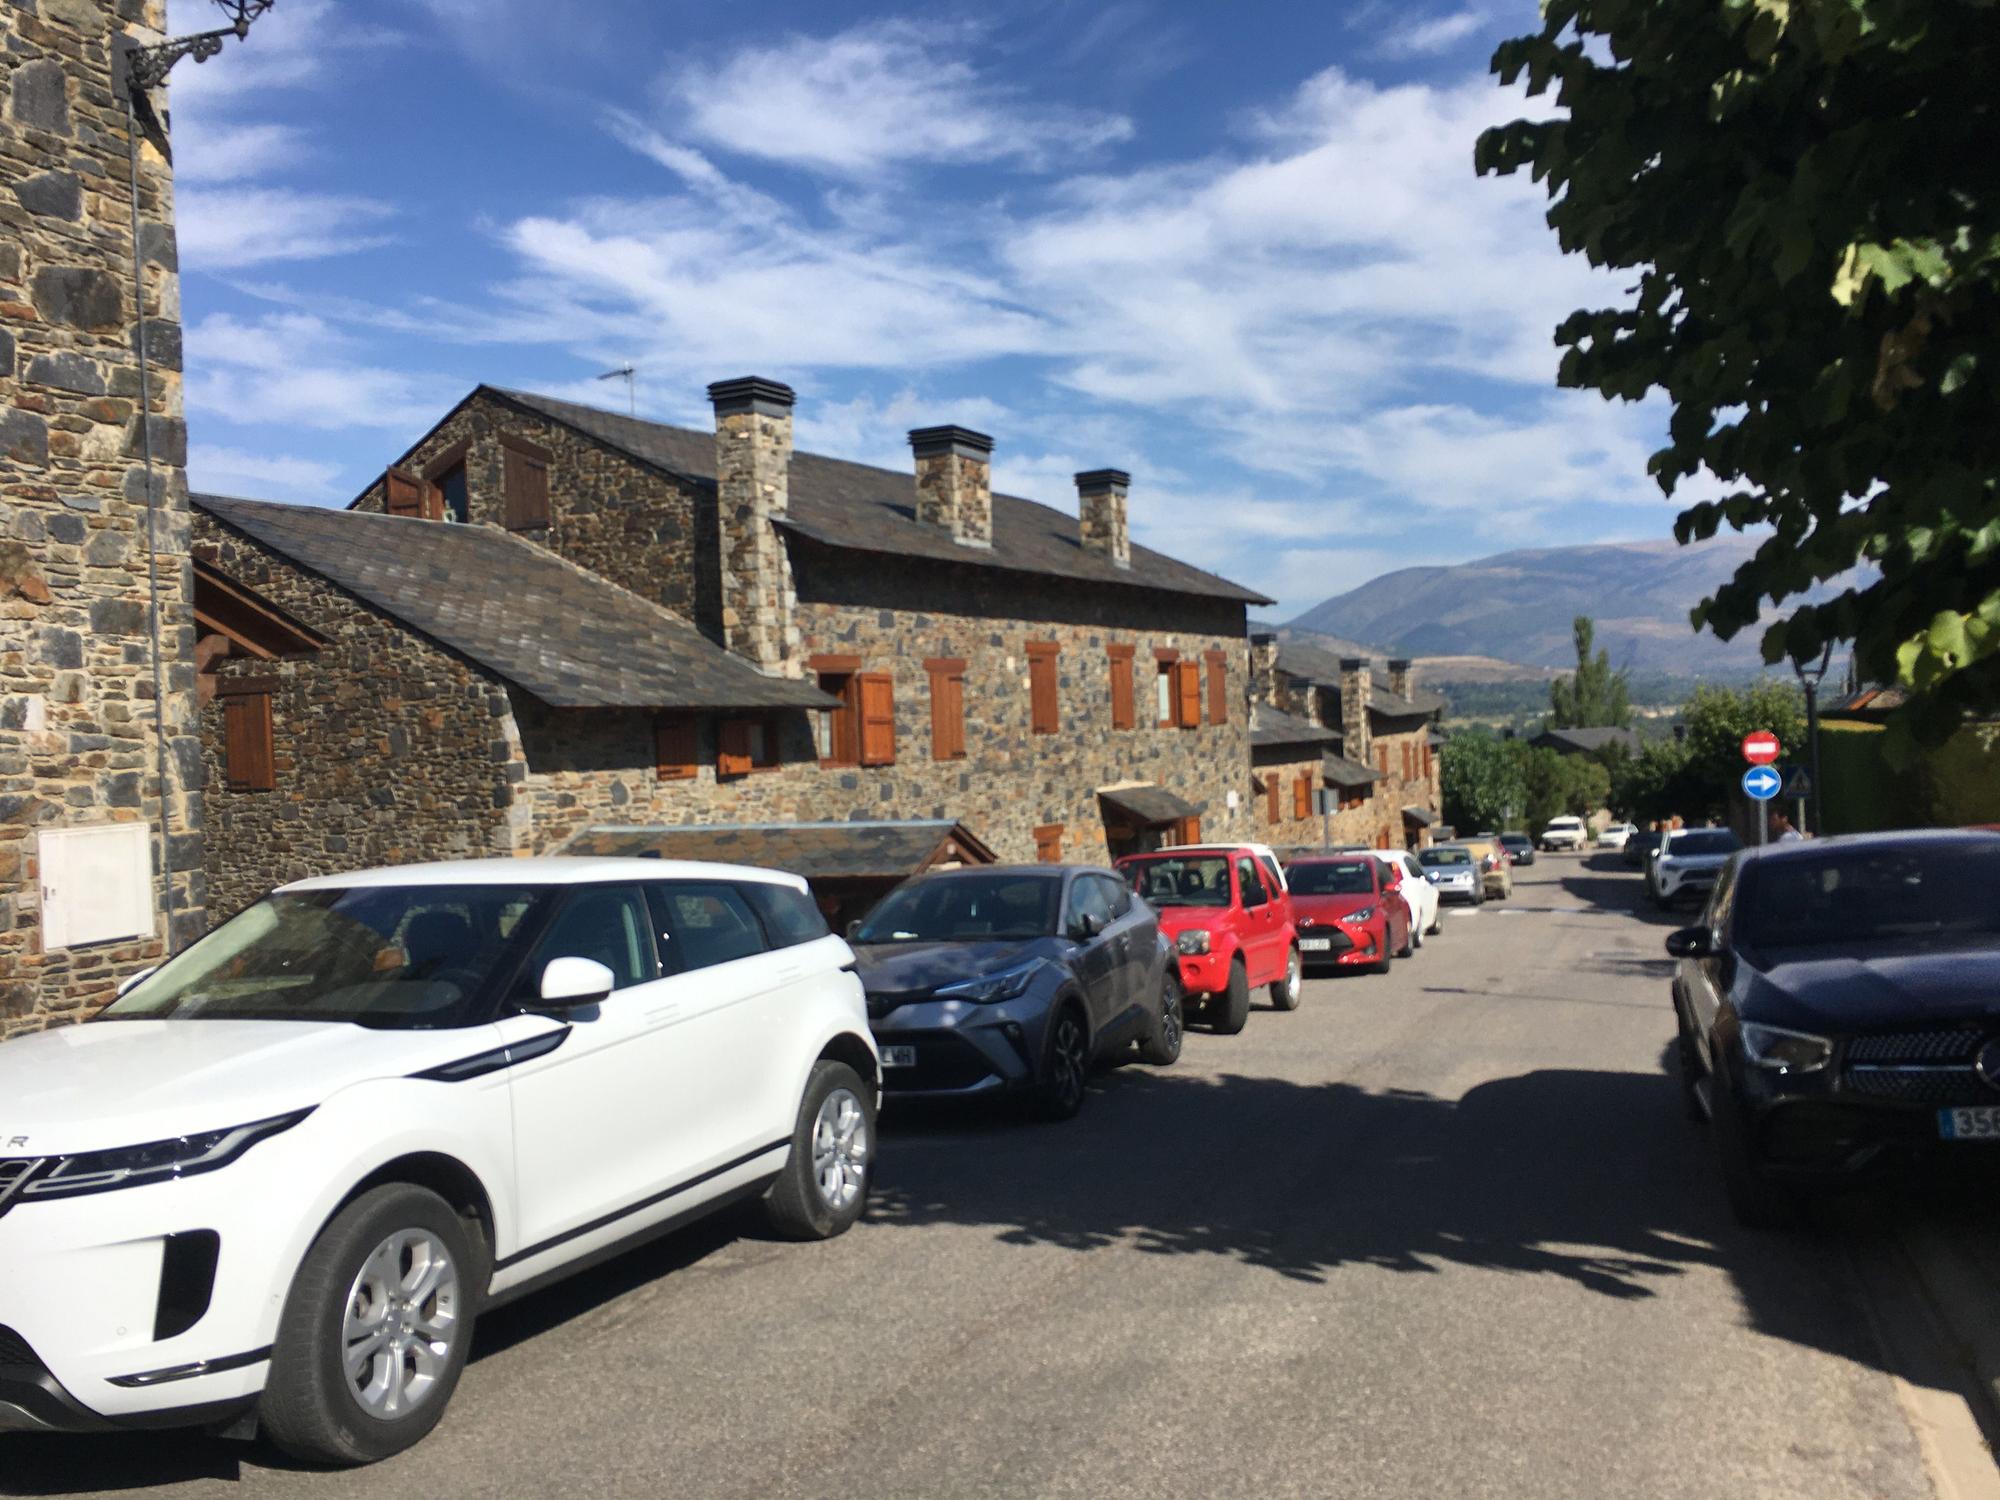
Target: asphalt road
{"points": [[1443, 1232]]}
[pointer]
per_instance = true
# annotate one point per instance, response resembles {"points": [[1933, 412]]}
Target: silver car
{"points": [[1454, 870]]}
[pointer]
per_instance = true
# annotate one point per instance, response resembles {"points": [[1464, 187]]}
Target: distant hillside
{"points": [[1518, 607]]}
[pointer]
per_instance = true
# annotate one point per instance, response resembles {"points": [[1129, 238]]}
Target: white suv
{"points": [[277, 1179], [1563, 833]]}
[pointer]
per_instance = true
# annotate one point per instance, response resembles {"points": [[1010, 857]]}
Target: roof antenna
{"points": [[631, 389]]}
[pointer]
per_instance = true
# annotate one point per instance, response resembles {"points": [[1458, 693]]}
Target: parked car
{"points": [[1688, 862], [1838, 1011], [1565, 834], [1408, 880], [1453, 871], [1520, 848], [1232, 930], [1348, 915], [1615, 835], [1267, 859], [1015, 979], [283, 1174], [1495, 868], [1641, 847]]}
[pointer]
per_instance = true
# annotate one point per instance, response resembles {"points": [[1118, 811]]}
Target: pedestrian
{"points": [[1782, 831]]}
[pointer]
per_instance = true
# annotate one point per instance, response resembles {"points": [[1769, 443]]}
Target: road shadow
{"points": [[1623, 891]]}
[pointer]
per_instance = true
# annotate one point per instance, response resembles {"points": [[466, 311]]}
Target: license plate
{"points": [[1315, 945], [899, 1057], [1981, 1122]]}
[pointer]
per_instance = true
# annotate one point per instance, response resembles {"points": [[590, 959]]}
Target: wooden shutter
{"points": [[249, 755], [1044, 711], [1382, 756], [947, 676], [1048, 843], [1271, 794], [1123, 715], [878, 718], [1187, 682], [1427, 760], [676, 749], [525, 484], [1302, 795], [1190, 831], [1218, 688], [732, 748], [404, 493]]}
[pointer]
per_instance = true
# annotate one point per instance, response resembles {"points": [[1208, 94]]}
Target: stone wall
{"points": [[646, 530], [1396, 791], [1351, 825], [79, 725], [388, 748]]}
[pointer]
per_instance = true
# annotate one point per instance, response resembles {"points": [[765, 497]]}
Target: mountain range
{"points": [[1518, 607]]}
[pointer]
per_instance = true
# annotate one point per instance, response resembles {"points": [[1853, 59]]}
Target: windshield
{"points": [[392, 957], [965, 908], [1519, 840], [1434, 857], [1703, 841], [1847, 897], [1347, 877], [1195, 880]]}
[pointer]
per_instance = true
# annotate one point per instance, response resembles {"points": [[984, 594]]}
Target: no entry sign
{"points": [[1761, 747]]}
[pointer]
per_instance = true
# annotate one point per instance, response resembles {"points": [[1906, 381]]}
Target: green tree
{"points": [[1593, 696], [1652, 784], [1803, 200], [1480, 779]]}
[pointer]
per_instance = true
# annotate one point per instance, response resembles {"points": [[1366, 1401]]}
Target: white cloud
{"points": [[1436, 34], [294, 43], [224, 228], [261, 476], [292, 370], [212, 149], [877, 96]]}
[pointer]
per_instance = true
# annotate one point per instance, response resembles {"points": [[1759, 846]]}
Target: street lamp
{"points": [[1809, 679]]}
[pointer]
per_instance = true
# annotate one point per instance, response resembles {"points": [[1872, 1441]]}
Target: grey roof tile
{"points": [[1270, 726]]}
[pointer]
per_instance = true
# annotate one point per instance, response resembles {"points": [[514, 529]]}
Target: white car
{"points": [[1688, 864], [1566, 832], [1414, 886], [1616, 836], [277, 1179]]}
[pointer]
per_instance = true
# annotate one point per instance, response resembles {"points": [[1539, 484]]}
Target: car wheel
{"points": [[375, 1330], [1234, 1011], [824, 1185], [1437, 919], [1285, 991], [1065, 1066], [1754, 1199], [1409, 947], [1382, 964], [1163, 1048]]}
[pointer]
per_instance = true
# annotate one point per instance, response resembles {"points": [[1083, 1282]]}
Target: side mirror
{"points": [[854, 929], [1085, 926], [1691, 942], [133, 981], [569, 982]]}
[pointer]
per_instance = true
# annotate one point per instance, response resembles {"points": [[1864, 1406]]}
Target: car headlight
{"points": [[1194, 940], [1785, 1051], [1359, 916], [158, 1161], [991, 987]]}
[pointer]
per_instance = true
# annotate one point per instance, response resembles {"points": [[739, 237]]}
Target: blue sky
{"points": [[1239, 251]]}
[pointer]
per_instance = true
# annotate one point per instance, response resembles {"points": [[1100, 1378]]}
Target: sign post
{"points": [[1760, 748]]}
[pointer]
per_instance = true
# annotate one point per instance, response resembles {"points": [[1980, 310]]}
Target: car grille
{"points": [[881, 1002], [1938, 1045], [944, 1061], [1919, 1084], [17, 1360]]}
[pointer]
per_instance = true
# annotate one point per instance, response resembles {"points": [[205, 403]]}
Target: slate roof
{"points": [[818, 851], [1270, 726], [1423, 817], [569, 637], [1340, 771], [863, 508], [1151, 804], [1322, 668], [1585, 741]]}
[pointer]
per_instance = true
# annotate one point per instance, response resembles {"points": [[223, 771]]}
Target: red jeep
{"points": [[1230, 921]]}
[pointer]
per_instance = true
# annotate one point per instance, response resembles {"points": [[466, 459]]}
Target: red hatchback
{"points": [[1348, 914], [1230, 922]]}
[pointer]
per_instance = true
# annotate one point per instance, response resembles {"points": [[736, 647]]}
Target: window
{"points": [[249, 757], [1123, 715], [703, 923], [524, 483], [1044, 709], [789, 914], [608, 923], [454, 499], [878, 718], [676, 747], [1118, 893], [1302, 795], [1165, 695], [1087, 898], [947, 674], [1218, 688], [1250, 883], [1048, 843], [837, 731], [745, 745]]}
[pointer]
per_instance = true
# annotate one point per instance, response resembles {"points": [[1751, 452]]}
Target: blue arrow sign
{"points": [[1762, 783]]}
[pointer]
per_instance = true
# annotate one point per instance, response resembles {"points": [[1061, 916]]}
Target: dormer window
{"points": [[454, 499]]}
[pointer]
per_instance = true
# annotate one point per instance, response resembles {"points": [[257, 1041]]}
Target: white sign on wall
{"points": [[97, 884]]}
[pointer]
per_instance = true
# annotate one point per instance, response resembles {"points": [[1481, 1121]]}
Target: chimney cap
{"points": [[1263, 637], [753, 393], [1354, 664], [935, 442], [1399, 664], [1090, 481]]}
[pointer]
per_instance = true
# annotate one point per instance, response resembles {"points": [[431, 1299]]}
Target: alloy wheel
{"points": [[401, 1322], [1292, 976], [1066, 1059], [840, 1149], [1171, 1003]]}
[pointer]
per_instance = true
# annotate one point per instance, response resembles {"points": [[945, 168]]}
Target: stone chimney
{"points": [[753, 466], [1357, 686], [1402, 678], [1264, 684], [955, 482], [1100, 514]]}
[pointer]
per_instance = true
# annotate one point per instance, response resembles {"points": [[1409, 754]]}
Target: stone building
{"points": [[1380, 760], [100, 807], [1294, 763], [547, 620]]}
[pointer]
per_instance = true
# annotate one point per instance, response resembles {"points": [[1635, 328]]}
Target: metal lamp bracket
{"points": [[146, 68]]}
